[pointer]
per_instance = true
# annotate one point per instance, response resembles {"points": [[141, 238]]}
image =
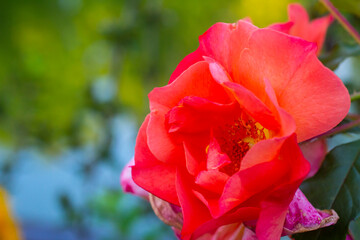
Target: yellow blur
{"points": [[263, 12], [8, 227]]}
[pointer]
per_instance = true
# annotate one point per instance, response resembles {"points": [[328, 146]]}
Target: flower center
{"points": [[236, 138]]}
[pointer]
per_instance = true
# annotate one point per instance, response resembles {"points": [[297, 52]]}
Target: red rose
{"points": [[221, 140]]}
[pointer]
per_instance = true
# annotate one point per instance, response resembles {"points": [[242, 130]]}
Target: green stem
{"points": [[345, 23], [355, 96], [340, 129], [352, 116]]}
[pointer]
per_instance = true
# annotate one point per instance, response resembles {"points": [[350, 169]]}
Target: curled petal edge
{"points": [[303, 217], [167, 212]]}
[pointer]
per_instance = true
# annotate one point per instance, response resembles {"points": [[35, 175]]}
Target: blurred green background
{"points": [[74, 78]]}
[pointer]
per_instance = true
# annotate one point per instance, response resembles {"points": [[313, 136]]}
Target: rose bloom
{"points": [[221, 139]]}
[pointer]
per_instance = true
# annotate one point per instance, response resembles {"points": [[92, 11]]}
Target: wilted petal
{"points": [[235, 231], [127, 183], [303, 217], [249, 235], [167, 212], [348, 237]]}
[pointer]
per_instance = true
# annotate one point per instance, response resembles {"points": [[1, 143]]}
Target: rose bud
{"points": [[299, 25]]}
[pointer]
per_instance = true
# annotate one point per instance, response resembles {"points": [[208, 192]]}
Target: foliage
{"points": [[354, 228], [336, 187]]}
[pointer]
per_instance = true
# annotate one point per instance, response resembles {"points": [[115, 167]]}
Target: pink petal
{"points": [[282, 27], [315, 152], [314, 31], [303, 217], [348, 237], [298, 15], [127, 183], [249, 235]]}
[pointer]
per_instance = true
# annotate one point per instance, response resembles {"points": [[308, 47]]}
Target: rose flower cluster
{"points": [[219, 151]]}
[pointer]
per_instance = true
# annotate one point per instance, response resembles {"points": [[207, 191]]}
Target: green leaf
{"points": [[354, 228], [339, 53], [350, 6], [336, 186]]}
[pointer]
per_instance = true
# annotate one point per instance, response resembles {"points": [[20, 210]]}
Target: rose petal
{"points": [[315, 152], [303, 217], [215, 157], [196, 80], [247, 100], [231, 37], [149, 173], [233, 231], [195, 155], [314, 31], [348, 237], [159, 141], [275, 204], [249, 235], [127, 183], [195, 114], [212, 180], [304, 88], [190, 204], [239, 215], [282, 27]]}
